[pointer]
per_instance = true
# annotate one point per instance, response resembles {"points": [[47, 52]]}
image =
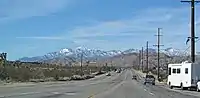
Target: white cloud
{"points": [[133, 32], [147, 20], [15, 9], [141, 27], [44, 38]]}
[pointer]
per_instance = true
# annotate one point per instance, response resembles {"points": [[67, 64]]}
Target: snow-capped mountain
{"points": [[175, 52], [75, 54], [170, 51], [131, 51]]}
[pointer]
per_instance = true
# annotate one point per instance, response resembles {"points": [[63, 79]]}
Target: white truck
{"points": [[184, 75]]}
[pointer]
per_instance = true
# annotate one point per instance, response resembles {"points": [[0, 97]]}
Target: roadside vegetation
{"points": [[39, 72]]}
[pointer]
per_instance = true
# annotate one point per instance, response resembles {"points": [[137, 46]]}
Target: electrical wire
{"points": [[189, 47], [185, 52]]}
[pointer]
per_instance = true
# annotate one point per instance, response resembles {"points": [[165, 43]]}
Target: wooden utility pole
{"points": [[192, 2], [139, 59], [82, 64], [158, 52], [142, 59], [147, 57]]}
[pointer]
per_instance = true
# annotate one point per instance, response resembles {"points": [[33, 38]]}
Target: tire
{"points": [[153, 83], [198, 90], [170, 86], [182, 88], [144, 83]]}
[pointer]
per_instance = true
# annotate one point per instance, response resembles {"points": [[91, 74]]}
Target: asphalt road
{"points": [[119, 85]]}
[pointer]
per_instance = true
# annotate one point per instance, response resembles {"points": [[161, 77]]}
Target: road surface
{"points": [[119, 85]]}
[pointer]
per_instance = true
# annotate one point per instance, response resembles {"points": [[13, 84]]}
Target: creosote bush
{"points": [[25, 72]]}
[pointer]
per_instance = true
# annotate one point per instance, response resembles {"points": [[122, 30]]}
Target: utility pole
{"points": [[139, 59], [158, 58], [192, 2], [142, 59], [82, 64], [147, 55]]}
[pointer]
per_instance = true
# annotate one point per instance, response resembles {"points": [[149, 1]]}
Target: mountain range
{"points": [[69, 54]]}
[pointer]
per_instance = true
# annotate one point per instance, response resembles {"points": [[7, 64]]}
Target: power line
{"points": [[184, 52], [192, 2]]}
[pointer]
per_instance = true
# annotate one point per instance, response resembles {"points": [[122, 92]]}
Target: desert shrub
{"points": [[37, 74], [33, 71], [3, 74], [18, 74], [65, 73], [56, 77]]}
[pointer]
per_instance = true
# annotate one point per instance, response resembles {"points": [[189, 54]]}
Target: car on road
{"points": [[150, 79], [134, 77], [119, 71], [108, 74]]}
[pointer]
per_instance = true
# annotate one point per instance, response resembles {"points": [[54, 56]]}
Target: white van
{"points": [[184, 75]]}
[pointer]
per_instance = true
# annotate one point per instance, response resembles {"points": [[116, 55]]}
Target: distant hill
{"points": [[68, 55]]}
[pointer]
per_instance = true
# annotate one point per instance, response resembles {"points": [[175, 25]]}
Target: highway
{"points": [[119, 85]]}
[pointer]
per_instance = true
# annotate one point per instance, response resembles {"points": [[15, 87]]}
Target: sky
{"points": [[35, 27]]}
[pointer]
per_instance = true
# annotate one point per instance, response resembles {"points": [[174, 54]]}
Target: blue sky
{"points": [[36, 27]]}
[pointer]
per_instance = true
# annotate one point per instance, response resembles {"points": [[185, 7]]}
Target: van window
{"points": [[169, 71], [186, 70], [173, 70], [178, 70]]}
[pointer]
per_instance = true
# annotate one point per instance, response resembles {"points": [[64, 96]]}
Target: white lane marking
{"points": [[28, 93], [55, 92], [108, 91], [93, 83], [151, 93], [125, 75], [100, 81], [19, 94], [145, 89], [71, 94]]}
